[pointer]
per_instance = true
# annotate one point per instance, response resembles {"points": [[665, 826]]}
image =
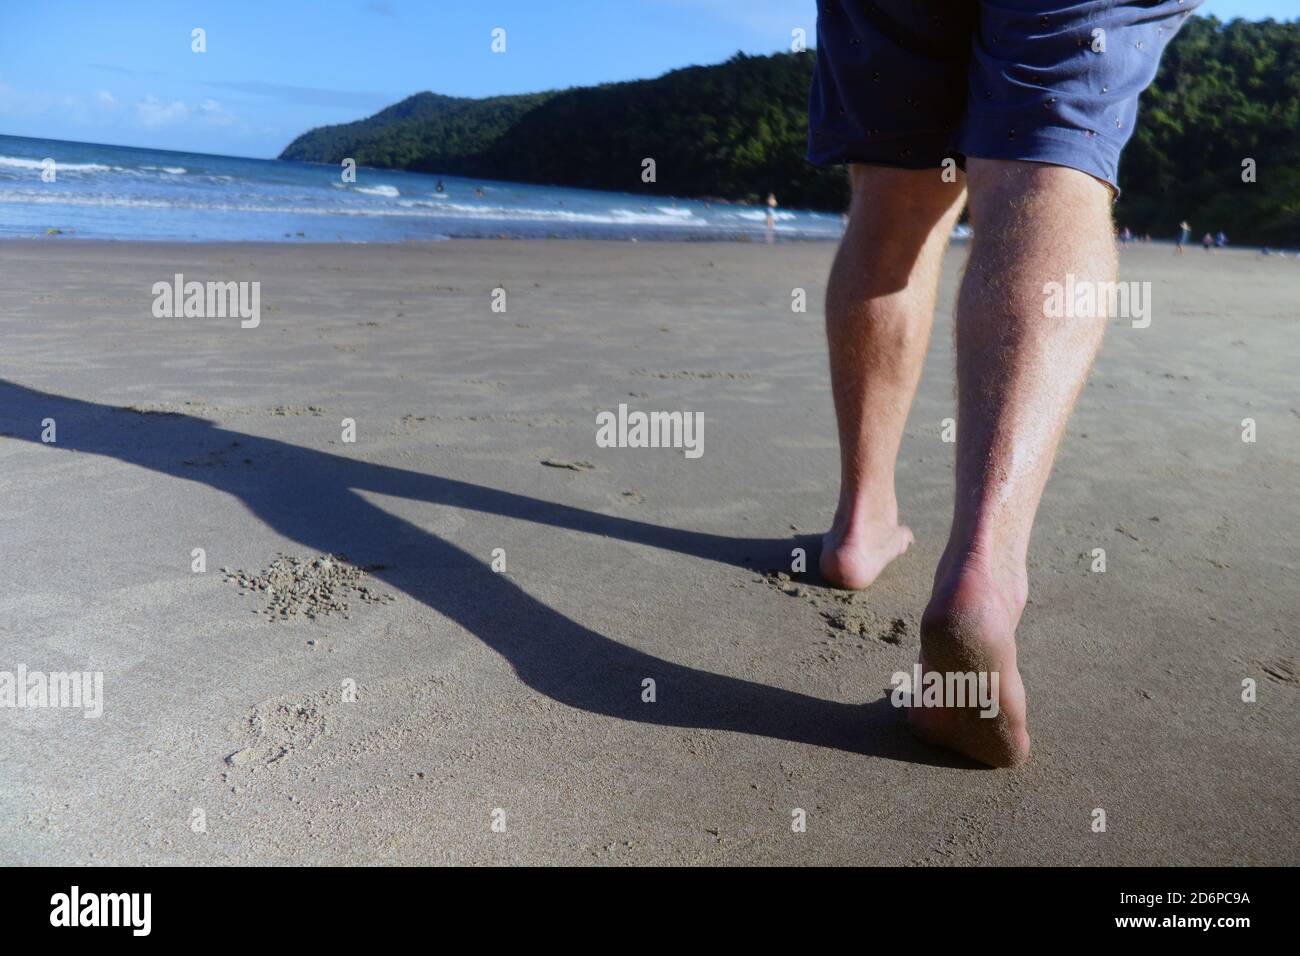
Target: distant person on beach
{"points": [[1220, 240], [928, 100], [1207, 242], [771, 217], [1184, 233], [439, 188], [1126, 236]]}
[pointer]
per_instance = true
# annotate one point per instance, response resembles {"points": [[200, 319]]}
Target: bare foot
{"points": [[970, 625], [853, 559]]}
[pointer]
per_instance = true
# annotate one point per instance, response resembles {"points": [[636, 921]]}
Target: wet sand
{"points": [[517, 696]]}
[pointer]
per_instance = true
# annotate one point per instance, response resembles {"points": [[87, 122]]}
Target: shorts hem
{"points": [[928, 156], [1053, 146]]}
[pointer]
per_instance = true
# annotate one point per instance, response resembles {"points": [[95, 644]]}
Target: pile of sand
{"points": [[846, 616], [315, 587], [862, 622]]}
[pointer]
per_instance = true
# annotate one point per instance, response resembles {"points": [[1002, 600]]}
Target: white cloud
{"points": [[35, 103], [213, 113], [151, 112], [108, 116]]}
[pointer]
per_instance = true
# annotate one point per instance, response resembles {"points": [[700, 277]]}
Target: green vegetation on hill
{"points": [[733, 131], [426, 131], [1224, 93]]}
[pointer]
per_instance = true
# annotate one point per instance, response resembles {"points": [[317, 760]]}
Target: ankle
{"points": [[865, 509], [971, 576]]}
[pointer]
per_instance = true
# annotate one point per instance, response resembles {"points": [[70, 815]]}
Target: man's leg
{"points": [[879, 307], [1018, 374]]}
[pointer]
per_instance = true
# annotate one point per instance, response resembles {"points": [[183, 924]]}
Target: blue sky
{"points": [[122, 71]]}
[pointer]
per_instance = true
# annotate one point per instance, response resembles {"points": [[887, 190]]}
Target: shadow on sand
{"points": [[312, 497]]}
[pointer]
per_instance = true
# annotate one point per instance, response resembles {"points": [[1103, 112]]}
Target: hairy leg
{"points": [[879, 307], [1018, 375]]}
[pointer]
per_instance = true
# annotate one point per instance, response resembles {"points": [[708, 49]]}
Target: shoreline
{"points": [[955, 242], [69, 238]]}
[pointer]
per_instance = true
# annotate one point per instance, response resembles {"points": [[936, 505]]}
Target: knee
{"points": [[1005, 192], [902, 196]]}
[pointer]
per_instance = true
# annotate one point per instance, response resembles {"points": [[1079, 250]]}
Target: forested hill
{"points": [[446, 134], [735, 131], [1225, 93]]}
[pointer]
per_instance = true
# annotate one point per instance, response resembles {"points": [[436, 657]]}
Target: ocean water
{"points": [[117, 192]]}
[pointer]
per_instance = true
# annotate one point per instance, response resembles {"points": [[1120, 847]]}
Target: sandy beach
{"points": [[516, 697]]}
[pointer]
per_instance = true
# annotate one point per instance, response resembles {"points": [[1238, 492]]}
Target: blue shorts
{"points": [[912, 82]]}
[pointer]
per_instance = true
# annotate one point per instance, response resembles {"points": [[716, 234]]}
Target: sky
{"points": [[124, 72]]}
